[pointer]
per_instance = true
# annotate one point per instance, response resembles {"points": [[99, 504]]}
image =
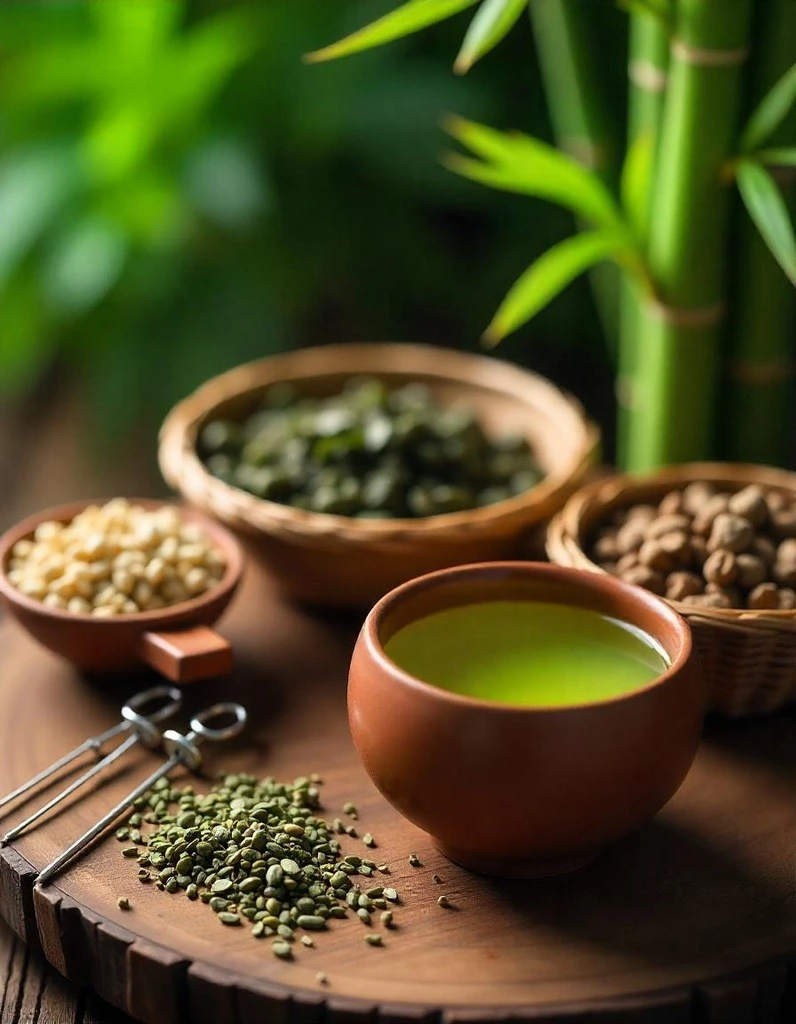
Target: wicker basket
{"points": [[334, 560], [749, 657]]}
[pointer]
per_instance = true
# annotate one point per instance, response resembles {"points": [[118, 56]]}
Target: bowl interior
{"points": [[216, 533], [523, 581], [505, 398]]}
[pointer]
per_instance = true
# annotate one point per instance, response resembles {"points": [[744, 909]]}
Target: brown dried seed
{"points": [[764, 596], [787, 598], [785, 571], [696, 496], [720, 567], [783, 523], [751, 504], [671, 503], [667, 524], [749, 571], [764, 548], [778, 500], [786, 552], [732, 594], [731, 532], [656, 557], [631, 536], [628, 561], [605, 547], [703, 520], [641, 513], [676, 544], [680, 585], [643, 576]]}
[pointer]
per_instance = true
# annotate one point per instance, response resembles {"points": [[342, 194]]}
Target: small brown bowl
{"points": [[175, 641], [522, 791]]}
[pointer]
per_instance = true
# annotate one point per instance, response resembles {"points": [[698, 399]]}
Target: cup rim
{"points": [[595, 582], [181, 611]]}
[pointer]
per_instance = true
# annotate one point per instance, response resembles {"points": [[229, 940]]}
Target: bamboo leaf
{"points": [[519, 163], [770, 112], [403, 21], [493, 20], [636, 183], [768, 210], [548, 276], [777, 157]]}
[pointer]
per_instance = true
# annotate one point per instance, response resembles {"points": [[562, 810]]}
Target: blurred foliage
{"points": [[179, 193]]}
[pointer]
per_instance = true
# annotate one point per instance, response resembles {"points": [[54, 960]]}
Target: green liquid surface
{"points": [[528, 653]]}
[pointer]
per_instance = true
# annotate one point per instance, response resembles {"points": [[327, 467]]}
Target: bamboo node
{"points": [[677, 317], [765, 374], [709, 58], [646, 75]]}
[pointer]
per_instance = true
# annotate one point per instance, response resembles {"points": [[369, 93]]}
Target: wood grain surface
{"points": [[693, 919]]}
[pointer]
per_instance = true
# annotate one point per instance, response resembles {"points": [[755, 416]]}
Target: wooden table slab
{"points": [[693, 919]]}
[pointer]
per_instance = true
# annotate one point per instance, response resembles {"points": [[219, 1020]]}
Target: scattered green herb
{"points": [[255, 852]]}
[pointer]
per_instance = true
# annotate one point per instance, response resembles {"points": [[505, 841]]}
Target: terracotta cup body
{"points": [[519, 791], [176, 641]]}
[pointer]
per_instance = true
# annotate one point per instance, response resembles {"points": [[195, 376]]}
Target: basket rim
{"points": [[183, 469], [565, 532]]}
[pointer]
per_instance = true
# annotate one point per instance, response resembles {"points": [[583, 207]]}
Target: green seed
{"points": [[368, 840], [122, 834], [184, 865], [373, 940], [386, 918], [285, 931], [123, 903], [391, 895], [349, 808], [130, 851], [312, 922], [225, 917], [296, 831], [363, 915], [258, 930], [282, 950], [290, 867]]}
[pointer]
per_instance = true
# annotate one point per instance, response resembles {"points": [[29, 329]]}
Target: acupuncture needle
{"points": [[142, 729], [182, 750]]}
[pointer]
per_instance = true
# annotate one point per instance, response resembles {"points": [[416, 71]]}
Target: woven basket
{"points": [[749, 657], [334, 560]]}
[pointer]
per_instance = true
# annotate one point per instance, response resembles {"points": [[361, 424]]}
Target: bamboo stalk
{"points": [[647, 73], [764, 313], [580, 116], [678, 350]]}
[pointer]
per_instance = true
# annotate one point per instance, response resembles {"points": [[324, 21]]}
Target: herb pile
{"points": [[257, 854], [369, 452]]}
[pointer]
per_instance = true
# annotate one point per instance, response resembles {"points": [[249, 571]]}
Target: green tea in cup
{"points": [[529, 653]]}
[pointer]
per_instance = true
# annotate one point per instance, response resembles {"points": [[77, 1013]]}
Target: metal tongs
{"points": [[136, 720], [182, 750]]}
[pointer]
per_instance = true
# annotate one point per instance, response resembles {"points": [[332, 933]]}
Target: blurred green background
{"points": [[179, 193]]}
